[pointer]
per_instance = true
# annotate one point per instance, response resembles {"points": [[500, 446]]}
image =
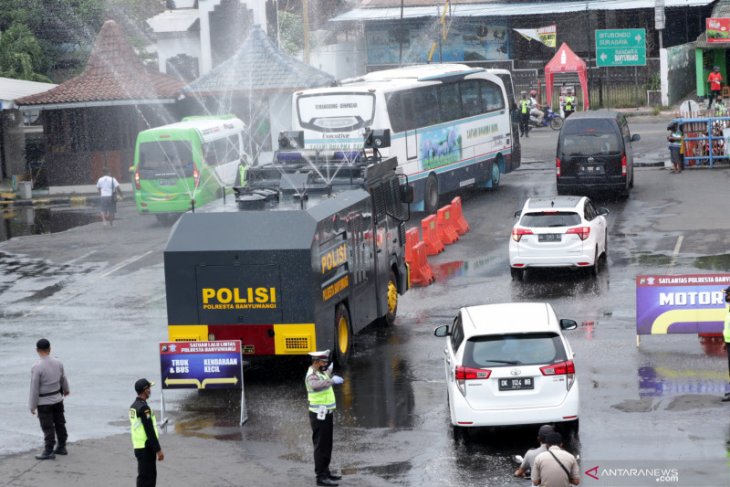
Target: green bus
{"points": [[183, 165]]}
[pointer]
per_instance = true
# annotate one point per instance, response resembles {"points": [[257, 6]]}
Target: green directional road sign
{"points": [[621, 47]]}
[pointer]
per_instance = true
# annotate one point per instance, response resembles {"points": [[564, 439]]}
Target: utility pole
{"points": [[305, 27]]}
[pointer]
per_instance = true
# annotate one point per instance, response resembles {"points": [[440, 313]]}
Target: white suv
{"points": [[562, 231], [509, 364]]}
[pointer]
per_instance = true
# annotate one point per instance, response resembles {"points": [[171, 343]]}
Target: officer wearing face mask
{"points": [[319, 381]]}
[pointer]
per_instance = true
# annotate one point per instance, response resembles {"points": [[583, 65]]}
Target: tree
{"points": [[21, 55]]}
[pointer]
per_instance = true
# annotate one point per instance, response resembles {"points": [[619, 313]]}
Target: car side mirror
{"points": [[635, 137], [602, 211], [568, 324], [442, 331], [517, 213]]}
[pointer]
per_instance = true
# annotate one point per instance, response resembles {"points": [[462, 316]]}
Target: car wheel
{"points": [[431, 195], [631, 183], [343, 336], [459, 433], [517, 274], [605, 247], [572, 438]]}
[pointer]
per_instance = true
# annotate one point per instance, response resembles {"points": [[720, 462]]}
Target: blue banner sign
{"points": [[201, 365]]}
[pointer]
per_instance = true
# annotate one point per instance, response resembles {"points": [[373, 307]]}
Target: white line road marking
{"points": [[125, 263], [675, 252]]}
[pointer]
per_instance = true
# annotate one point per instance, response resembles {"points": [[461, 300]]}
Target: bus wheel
{"points": [[391, 297], [343, 335], [431, 195], [496, 172]]}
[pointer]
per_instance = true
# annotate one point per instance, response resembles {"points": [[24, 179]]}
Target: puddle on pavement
{"points": [[713, 262], [646, 259], [18, 222]]}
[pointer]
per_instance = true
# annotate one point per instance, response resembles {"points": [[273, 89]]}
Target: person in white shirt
{"points": [[108, 188], [535, 108]]}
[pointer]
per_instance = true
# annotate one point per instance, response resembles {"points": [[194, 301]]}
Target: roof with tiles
{"points": [[259, 67], [113, 73]]}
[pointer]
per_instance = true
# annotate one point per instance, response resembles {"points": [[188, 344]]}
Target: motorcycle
{"points": [[551, 119]]}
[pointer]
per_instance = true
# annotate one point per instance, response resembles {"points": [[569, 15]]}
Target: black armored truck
{"points": [[309, 252]]}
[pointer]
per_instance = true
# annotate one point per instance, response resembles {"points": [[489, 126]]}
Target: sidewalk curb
{"points": [[53, 200]]}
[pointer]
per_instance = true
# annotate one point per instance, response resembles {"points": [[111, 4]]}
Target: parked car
{"points": [[563, 231], [509, 364], [595, 154]]}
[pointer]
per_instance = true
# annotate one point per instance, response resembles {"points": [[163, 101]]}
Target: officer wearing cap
{"points": [[321, 396], [48, 387], [144, 435], [726, 335]]}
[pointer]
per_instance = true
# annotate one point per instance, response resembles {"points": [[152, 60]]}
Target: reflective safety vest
{"points": [[726, 329], [325, 397], [524, 107], [569, 103], [139, 435]]}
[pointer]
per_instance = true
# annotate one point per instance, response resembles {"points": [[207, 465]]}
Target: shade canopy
{"points": [[566, 61]]}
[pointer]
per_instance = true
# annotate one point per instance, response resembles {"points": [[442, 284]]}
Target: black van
{"points": [[595, 154]]}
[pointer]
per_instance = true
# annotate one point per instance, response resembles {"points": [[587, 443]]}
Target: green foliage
{"points": [[291, 32], [21, 55]]}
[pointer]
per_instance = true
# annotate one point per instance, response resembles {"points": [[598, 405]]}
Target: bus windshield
{"points": [[336, 111], [174, 157]]}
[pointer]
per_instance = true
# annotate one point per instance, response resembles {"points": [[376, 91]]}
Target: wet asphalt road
{"points": [[98, 295]]}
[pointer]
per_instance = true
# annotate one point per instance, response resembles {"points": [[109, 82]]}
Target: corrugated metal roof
{"points": [[12, 89], [506, 9], [173, 20]]}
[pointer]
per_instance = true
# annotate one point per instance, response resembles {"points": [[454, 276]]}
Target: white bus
{"points": [[449, 125]]}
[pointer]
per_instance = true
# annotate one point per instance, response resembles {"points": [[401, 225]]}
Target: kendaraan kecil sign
{"points": [[620, 47]]}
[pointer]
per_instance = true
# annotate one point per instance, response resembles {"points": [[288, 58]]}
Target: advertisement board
{"points": [[690, 303], [717, 29]]}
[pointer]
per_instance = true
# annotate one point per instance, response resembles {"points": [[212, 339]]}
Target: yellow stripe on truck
{"points": [[188, 333], [294, 338]]}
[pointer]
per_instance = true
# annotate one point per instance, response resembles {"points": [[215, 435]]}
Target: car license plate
{"points": [[518, 384], [548, 237], [591, 169], [167, 182]]}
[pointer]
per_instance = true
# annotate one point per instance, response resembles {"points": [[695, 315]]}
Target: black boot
{"points": [[61, 450], [46, 455]]}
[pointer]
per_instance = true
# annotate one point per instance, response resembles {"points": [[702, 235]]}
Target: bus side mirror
{"points": [[291, 140], [406, 193]]}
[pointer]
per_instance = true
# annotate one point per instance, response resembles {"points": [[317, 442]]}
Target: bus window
{"points": [[449, 102], [399, 110], [166, 156], [222, 151], [428, 108], [470, 102], [492, 97]]}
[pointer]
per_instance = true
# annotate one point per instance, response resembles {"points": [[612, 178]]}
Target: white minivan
{"points": [[509, 364]]}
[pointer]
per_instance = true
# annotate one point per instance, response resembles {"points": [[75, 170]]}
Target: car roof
{"points": [[593, 114], [505, 318], [552, 203]]}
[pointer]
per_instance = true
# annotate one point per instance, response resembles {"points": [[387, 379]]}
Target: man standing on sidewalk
{"points": [[48, 387]]}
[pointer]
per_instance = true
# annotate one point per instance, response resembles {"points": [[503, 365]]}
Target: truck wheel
{"points": [[343, 335], [431, 195], [391, 297]]}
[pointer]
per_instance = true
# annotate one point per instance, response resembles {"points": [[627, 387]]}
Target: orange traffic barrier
{"points": [[431, 239], [445, 226], [412, 238], [420, 272], [457, 215]]}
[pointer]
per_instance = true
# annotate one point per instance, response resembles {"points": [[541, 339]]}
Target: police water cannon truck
{"points": [[311, 251]]}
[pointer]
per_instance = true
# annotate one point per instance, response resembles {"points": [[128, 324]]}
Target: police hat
{"points": [[323, 355], [142, 384]]}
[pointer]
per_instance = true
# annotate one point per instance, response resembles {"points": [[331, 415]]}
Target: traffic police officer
{"points": [[524, 109], [144, 435], [321, 396], [568, 105], [726, 334], [48, 387]]}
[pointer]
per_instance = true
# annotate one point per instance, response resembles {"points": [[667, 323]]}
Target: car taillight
{"points": [[566, 368], [463, 374], [517, 233], [557, 166], [196, 176], [623, 165], [136, 179], [582, 232]]}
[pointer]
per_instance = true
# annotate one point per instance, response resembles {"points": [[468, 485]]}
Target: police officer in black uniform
{"points": [[144, 435]]}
